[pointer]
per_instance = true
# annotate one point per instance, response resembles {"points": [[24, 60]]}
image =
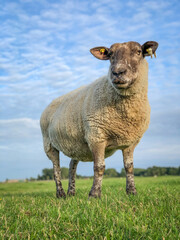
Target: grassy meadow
{"points": [[31, 211]]}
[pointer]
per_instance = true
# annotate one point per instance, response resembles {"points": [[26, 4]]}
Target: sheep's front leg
{"points": [[72, 176], [128, 165], [99, 167]]}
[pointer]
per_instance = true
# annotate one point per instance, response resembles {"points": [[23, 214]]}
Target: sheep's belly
{"points": [[79, 151], [75, 147], [83, 153]]}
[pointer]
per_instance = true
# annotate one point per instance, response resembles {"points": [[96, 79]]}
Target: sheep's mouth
{"points": [[120, 83]]}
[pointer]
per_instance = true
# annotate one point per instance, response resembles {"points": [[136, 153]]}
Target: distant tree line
{"points": [[154, 171], [47, 173]]}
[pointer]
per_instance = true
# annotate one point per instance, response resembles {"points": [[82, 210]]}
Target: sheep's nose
{"points": [[118, 71]]}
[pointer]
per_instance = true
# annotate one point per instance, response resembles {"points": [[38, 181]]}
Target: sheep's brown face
{"points": [[125, 60]]}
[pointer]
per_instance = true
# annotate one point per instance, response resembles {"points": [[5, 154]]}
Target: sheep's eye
{"points": [[139, 52]]}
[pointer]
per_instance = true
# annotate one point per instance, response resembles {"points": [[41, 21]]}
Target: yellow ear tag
{"points": [[149, 51], [102, 50]]}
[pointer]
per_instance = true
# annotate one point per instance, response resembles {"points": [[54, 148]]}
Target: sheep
{"points": [[110, 114]]}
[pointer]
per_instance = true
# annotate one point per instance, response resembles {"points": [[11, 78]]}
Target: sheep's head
{"points": [[125, 59]]}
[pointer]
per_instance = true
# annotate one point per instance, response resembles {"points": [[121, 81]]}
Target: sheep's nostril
{"points": [[120, 72], [115, 73]]}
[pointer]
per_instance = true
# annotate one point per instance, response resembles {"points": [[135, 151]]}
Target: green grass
{"points": [[31, 211]]}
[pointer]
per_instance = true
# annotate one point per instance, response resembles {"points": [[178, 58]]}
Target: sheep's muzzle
{"points": [[120, 83]]}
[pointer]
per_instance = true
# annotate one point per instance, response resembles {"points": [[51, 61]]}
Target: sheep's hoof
{"points": [[60, 194], [131, 191], [94, 194]]}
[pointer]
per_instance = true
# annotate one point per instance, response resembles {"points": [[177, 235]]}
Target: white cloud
{"points": [[19, 130]]}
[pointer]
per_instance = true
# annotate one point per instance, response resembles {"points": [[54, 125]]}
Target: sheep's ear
{"points": [[149, 48], [101, 53]]}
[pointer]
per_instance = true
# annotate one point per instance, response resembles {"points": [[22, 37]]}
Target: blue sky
{"points": [[44, 53]]}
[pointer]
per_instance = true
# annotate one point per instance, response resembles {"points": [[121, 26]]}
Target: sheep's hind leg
{"points": [[72, 176], [53, 155], [128, 165]]}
